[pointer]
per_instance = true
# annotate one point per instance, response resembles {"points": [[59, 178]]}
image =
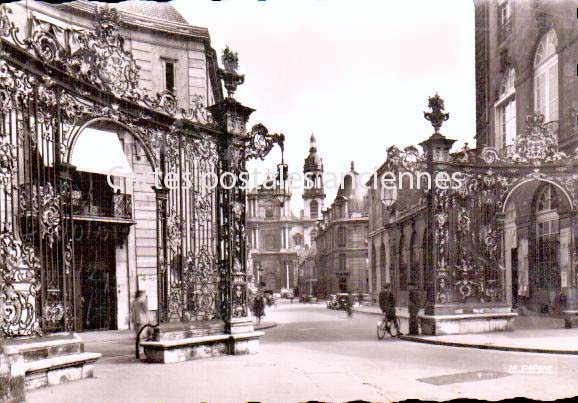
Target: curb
{"points": [[422, 340], [400, 316], [266, 326]]}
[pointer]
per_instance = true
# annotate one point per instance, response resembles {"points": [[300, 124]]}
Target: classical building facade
{"points": [[111, 121], [526, 56], [396, 237], [276, 237], [341, 245]]}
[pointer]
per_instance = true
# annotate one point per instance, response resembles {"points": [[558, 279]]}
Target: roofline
{"points": [[88, 8]]}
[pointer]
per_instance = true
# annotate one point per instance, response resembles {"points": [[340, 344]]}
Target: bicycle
{"points": [[389, 326]]}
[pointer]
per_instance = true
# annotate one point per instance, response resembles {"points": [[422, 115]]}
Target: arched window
{"points": [[373, 269], [314, 209], [298, 240], [383, 263], [546, 270], [413, 259], [546, 77], [402, 264], [506, 111]]}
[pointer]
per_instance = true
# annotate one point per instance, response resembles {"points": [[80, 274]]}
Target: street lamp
{"points": [[281, 188], [388, 196]]}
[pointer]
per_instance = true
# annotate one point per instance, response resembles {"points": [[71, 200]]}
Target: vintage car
{"points": [[343, 299], [332, 302]]}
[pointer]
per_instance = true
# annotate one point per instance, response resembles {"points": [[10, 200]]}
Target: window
{"points": [[505, 12], [373, 269], [506, 111], [298, 240], [314, 209], [383, 263], [341, 241], [342, 273], [170, 75], [339, 211], [402, 264], [548, 199], [271, 239], [546, 270], [546, 77]]}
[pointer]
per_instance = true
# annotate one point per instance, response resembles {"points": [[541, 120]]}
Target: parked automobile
{"points": [[343, 299], [287, 293], [331, 302]]}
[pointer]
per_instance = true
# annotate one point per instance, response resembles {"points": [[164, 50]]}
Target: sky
{"points": [[357, 74]]}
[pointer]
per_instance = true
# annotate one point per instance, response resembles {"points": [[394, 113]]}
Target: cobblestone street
{"points": [[318, 354]]}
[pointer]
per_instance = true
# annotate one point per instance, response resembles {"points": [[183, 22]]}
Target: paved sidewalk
{"points": [[551, 341], [534, 334], [120, 335]]}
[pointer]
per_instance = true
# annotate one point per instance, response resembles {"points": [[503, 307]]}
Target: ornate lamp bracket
{"points": [[258, 143]]}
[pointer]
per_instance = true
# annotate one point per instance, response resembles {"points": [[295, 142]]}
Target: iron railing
{"points": [[114, 206]]}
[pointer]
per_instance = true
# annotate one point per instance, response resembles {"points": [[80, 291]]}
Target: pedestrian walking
{"points": [[140, 312], [259, 307]]}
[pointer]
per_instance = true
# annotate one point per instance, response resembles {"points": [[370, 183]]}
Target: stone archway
{"points": [[536, 243], [115, 224]]}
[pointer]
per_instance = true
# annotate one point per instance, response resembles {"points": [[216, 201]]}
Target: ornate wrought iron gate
{"points": [[54, 82]]}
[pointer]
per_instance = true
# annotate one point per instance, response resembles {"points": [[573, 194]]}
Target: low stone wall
{"points": [[34, 362], [469, 323]]}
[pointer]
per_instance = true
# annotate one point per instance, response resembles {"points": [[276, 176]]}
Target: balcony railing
{"points": [[118, 205]]}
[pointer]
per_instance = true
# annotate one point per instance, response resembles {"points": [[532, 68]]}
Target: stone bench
{"points": [[568, 316], [190, 348]]}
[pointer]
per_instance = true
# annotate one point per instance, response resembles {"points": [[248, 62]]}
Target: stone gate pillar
{"points": [[232, 118], [437, 148]]}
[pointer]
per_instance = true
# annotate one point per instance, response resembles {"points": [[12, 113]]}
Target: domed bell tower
{"points": [[313, 193]]}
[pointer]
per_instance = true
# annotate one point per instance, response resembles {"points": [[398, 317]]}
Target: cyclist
{"points": [[387, 305]]}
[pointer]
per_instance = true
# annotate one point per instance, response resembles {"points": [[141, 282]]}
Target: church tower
{"points": [[313, 194]]}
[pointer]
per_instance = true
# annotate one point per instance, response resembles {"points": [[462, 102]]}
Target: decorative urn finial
{"points": [[437, 117], [229, 74]]}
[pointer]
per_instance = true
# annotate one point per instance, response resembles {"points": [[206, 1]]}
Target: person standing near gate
{"points": [[140, 312], [413, 308], [259, 307]]}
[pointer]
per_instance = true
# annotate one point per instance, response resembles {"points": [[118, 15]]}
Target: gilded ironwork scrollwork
{"points": [[45, 202], [19, 285], [97, 57]]}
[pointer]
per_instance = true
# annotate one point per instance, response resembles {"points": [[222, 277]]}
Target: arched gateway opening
{"points": [[537, 246], [114, 244]]}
